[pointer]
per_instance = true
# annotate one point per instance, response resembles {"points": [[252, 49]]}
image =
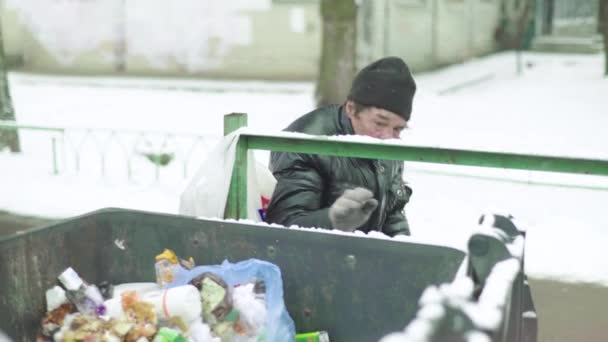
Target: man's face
{"points": [[375, 122]]}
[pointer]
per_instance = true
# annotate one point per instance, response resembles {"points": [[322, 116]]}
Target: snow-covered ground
{"points": [[558, 106]]}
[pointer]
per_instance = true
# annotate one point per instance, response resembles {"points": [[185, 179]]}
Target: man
{"points": [[349, 193]]}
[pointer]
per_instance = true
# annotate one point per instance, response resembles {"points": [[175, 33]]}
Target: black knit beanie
{"points": [[386, 83]]}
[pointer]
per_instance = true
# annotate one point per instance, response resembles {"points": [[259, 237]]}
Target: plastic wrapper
{"points": [[55, 297], [86, 297], [252, 310], [179, 302], [278, 325], [54, 319], [216, 297], [140, 288], [166, 266], [200, 332]]}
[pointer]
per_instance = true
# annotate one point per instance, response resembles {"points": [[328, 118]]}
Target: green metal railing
{"points": [[237, 197], [13, 126], [70, 143]]}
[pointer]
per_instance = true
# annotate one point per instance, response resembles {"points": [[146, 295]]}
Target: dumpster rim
{"points": [[249, 224]]}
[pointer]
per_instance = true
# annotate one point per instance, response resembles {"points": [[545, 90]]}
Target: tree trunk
{"points": [[120, 51], [600, 16], [548, 16], [8, 139], [603, 25], [338, 51], [516, 18]]}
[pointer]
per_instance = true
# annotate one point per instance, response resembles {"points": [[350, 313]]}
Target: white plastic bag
{"points": [[207, 192], [181, 301]]}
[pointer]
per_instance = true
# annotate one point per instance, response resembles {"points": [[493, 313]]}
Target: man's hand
{"points": [[351, 210]]}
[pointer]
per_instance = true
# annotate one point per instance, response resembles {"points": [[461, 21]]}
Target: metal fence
{"points": [[113, 153]]}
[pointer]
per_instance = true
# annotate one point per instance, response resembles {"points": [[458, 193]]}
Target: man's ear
{"points": [[349, 107]]}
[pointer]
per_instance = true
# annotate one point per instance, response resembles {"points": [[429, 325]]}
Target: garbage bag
{"points": [[279, 325], [207, 191]]}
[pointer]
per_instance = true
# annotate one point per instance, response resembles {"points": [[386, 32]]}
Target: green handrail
{"points": [[237, 198], [12, 126], [332, 147]]}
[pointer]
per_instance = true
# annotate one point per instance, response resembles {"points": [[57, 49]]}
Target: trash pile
{"points": [[205, 309]]}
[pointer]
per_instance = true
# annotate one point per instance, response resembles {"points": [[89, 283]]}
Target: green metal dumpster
{"points": [[356, 288]]}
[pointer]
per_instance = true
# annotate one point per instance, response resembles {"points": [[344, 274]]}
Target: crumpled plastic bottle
{"points": [[166, 266], [87, 298]]}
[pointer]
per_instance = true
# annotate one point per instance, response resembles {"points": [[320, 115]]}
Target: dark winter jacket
{"points": [[307, 185]]}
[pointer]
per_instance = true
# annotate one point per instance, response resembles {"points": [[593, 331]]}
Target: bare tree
{"points": [[338, 50], [603, 26], [8, 138], [120, 49], [517, 16]]}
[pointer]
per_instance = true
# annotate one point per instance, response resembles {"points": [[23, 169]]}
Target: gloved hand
{"points": [[352, 209]]}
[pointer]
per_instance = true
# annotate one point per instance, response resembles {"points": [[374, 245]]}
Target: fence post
{"points": [[236, 206], [54, 148], [234, 121]]}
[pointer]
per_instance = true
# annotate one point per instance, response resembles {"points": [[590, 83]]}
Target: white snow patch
{"points": [[477, 336], [516, 248], [418, 330], [462, 287], [395, 337], [484, 317], [487, 313], [431, 312], [431, 295]]}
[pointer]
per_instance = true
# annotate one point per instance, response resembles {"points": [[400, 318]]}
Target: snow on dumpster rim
{"points": [[357, 233]]}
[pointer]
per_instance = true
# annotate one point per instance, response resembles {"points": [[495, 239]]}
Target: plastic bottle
{"points": [[183, 302], [166, 267], [87, 298]]}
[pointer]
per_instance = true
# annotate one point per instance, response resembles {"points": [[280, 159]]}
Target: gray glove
{"points": [[351, 210]]}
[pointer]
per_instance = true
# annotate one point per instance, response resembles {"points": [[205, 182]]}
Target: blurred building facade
{"points": [[567, 26], [241, 39]]}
